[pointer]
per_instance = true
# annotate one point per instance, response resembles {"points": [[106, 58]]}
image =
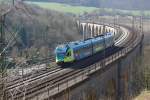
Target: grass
{"points": [[81, 9], [64, 7], [6, 1]]}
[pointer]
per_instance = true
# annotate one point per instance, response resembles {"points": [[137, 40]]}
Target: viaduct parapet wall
{"points": [[115, 81]]}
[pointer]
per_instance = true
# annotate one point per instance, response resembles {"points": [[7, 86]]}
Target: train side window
{"points": [[76, 52]]}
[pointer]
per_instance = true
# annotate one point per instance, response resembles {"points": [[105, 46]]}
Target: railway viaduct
{"points": [[109, 78]]}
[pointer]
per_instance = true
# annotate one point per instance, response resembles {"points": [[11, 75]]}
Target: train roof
{"points": [[78, 44], [61, 48]]}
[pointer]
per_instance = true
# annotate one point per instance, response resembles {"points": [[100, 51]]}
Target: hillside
{"points": [[117, 4], [64, 7], [38, 30]]}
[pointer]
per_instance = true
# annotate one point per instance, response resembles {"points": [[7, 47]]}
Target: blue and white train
{"points": [[77, 50]]}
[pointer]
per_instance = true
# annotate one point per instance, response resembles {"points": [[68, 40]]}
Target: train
{"points": [[77, 50]]}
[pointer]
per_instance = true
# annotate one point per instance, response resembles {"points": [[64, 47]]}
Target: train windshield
{"points": [[60, 55]]}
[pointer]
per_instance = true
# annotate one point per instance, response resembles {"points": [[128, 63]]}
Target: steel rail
{"points": [[58, 80]]}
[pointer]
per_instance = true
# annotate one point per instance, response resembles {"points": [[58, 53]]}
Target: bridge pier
{"points": [[89, 30], [118, 80]]}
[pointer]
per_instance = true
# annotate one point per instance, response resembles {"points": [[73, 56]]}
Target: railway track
{"points": [[49, 82], [32, 78], [34, 84], [36, 73], [30, 75]]}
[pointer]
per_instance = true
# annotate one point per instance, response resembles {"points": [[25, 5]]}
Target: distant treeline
{"points": [[118, 4]]}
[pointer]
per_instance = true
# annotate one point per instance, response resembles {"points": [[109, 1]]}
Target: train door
{"points": [[69, 56]]}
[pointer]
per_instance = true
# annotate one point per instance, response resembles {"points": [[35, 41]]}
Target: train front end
{"points": [[63, 54], [60, 53]]}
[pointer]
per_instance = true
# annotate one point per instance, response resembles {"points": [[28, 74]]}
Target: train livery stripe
{"points": [[69, 58]]}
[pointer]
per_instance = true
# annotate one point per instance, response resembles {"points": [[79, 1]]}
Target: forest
{"points": [[32, 31]]}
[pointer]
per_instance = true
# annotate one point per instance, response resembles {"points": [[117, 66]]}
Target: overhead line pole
{"points": [[133, 22], [13, 2], [3, 70]]}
